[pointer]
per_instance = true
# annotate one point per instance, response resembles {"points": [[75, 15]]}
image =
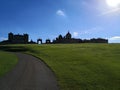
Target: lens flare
{"points": [[113, 3]]}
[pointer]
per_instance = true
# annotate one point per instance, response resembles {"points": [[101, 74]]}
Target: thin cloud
{"points": [[61, 13], [75, 34], [115, 10], [114, 39], [91, 30]]}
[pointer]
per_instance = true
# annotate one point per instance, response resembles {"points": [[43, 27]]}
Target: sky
{"points": [[46, 19]]}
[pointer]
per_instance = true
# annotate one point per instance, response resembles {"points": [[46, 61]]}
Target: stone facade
{"points": [[18, 39], [24, 39], [68, 39]]}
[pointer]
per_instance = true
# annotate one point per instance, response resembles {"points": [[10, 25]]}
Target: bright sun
{"points": [[113, 3]]}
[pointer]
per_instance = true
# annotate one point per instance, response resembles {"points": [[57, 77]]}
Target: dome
{"points": [[68, 35]]}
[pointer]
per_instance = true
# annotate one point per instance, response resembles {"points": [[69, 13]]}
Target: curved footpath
{"points": [[29, 74]]}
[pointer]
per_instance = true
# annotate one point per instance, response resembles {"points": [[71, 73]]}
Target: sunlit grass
{"points": [[84, 67], [81, 66]]}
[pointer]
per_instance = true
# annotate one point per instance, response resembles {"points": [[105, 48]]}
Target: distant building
{"points": [[24, 39], [68, 39], [16, 39]]}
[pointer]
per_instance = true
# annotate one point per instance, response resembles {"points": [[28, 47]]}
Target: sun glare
{"points": [[113, 3]]}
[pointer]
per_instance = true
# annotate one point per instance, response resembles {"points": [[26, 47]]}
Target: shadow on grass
{"points": [[13, 48]]}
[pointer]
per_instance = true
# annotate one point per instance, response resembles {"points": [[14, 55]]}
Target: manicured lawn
{"points": [[7, 62], [81, 66]]}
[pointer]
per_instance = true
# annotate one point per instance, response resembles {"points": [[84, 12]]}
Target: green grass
{"points": [[81, 66], [7, 62]]}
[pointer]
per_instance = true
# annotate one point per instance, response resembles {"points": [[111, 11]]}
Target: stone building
{"points": [[18, 39], [68, 39]]}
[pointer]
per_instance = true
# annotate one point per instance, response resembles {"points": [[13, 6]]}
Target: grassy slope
{"points": [[82, 66], [7, 62]]}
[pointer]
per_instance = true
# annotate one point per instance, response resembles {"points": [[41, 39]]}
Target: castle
{"points": [[24, 39], [68, 39], [16, 39]]}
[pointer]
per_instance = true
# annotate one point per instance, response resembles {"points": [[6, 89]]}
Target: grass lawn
{"points": [[81, 66], [7, 62]]}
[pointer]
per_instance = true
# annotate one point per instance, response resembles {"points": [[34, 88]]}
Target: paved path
{"points": [[29, 74]]}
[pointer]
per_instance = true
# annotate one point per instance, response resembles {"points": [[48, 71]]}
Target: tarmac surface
{"points": [[29, 74]]}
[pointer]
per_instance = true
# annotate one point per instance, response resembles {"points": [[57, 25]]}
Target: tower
{"points": [[68, 35], [26, 37], [10, 36]]}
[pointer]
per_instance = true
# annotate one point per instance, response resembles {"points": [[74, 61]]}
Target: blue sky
{"points": [[48, 18]]}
